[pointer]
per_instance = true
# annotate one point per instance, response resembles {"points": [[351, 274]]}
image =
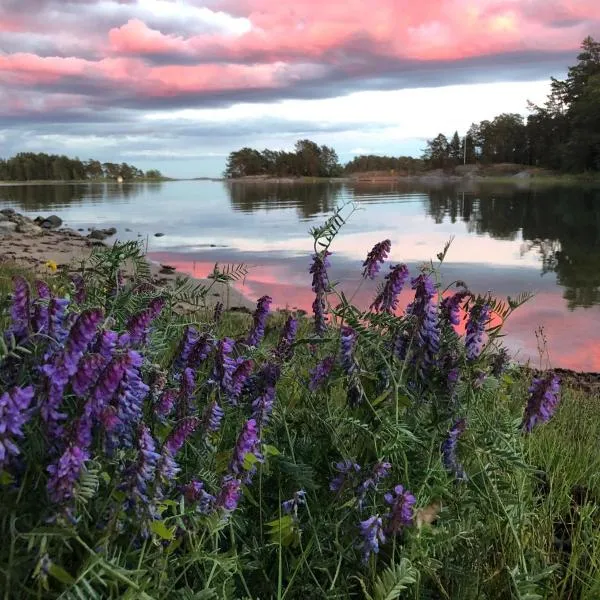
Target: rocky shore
{"points": [[34, 243]]}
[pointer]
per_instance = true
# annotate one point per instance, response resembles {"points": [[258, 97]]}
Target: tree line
{"points": [[30, 166], [563, 134]]}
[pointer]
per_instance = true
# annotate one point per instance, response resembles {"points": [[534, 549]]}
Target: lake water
{"points": [[506, 239]]}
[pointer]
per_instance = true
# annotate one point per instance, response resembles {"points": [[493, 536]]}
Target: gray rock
{"points": [[110, 231], [127, 229], [159, 234], [4, 217], [52, 222], [28, 227], [7, 226], [98, 234], [8, 211], [81, 229]]}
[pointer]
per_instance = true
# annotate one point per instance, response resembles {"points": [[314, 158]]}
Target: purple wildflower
{"points": [[195, 493], [347, 342], [66, 472], [80, 294], [449, 446], [262, 407], [190, 337], [320, 285], [424, 292], [138, 325], [56, 319], [200, 351], [82, 332], [88, 371], [212, 417], [380, 471], [319, 310], [260, 318], [428, 334], [128, 400], [165, 404], [179, 435], [543, 400], [20, 306], [377, 255], [107, 384], [14, 413], [347, 470], [218, 313], [479, 316], [185, 400], [230, 493], [224, 364], [291, 506], [143, 472], [321, 372], [500, 362], [238, 379], [450, 307], [106, 343], [287, 338], [40, 309], [372, 533], [248, 442], [387, 299], [401, 504]]}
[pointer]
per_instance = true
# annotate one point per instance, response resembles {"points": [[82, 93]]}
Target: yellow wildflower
{"points": [[51, 265]]}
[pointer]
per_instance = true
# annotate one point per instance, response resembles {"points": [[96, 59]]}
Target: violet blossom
{"points": [[14, 413], [229, 495], [291, 506], [479, 315], [20, 307], [375, 258], [260, 319], [212, 417], [372, 534], [40, 308], [347, 342], [181, 433], [200, 351], [238, 379], [321, 372], [142, 474], [450, 307], [195, 493], [89, 369], [262, 407], [347, 470], [224, 364], [164, 407], [401, 504], [80, 294], [449, 448], [106, 343], [320, 285], [56, 319], [288, 335], [387, 299], [248, 442], [189, 339], [380, 470], [138, 325], [543, 401]]}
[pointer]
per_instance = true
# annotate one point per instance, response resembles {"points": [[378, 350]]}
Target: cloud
{"points": [[94, 63]]}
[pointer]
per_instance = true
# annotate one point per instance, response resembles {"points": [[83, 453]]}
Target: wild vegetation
{"points": [[564, 134], [30, 166], [358, 454]]}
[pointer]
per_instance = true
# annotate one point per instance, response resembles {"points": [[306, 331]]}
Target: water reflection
{"points": [[32, 197], [562, 225], [309, 199]]}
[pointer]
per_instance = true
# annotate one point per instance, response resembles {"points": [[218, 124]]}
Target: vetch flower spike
{"points": [[375, 258], [371, 531], [543, 400], [387, 299], [401, 504]]}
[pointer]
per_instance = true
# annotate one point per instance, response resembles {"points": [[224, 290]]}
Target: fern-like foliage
{"points": [[392, 581]]}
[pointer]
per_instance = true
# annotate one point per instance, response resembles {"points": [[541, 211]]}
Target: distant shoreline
{"points": [[80, 181]]}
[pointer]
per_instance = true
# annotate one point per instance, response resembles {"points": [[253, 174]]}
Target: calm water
{"points": [[507, 240]]}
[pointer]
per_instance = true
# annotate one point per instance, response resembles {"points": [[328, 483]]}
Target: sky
{"points": [[178, 84]]}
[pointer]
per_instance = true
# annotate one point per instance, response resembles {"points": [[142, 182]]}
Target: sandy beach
{"points": [[24, 242]]}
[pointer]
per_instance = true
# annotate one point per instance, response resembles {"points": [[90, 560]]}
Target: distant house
{"points": [[119, 179]]}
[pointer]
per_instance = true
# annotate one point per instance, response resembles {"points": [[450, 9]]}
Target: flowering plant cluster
{"points": [[148, 454]]}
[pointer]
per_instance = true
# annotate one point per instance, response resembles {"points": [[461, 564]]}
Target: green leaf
{"points": [[162, 531], [270, 450], [60, 574]]}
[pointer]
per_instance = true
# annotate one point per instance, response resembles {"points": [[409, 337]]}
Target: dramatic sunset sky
{"points": [[178, 84]]}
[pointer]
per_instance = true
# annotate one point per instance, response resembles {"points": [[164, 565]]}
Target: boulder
{"points": [[159, 234], [9, 212], [27, 226], [7, 226], [3, 217], [52, 222], [98, 234]]}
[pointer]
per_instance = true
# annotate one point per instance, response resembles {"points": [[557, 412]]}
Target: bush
{"points": [[363, 454]]}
